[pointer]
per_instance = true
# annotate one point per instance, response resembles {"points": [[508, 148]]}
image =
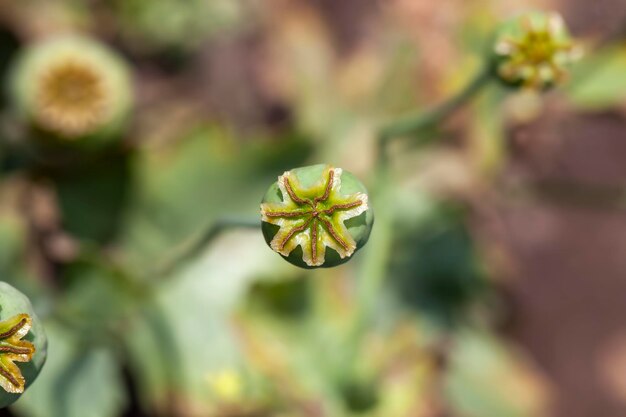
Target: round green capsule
{"points": [[316, 216]]}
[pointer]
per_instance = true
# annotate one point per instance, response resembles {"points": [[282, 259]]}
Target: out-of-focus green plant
{"points": [[597, 82], [435, 269], [165, 26]]}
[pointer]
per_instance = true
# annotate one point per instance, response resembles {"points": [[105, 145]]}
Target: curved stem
{"points": [[423, 120], [375, 265], [205, 238], [380, 246]]}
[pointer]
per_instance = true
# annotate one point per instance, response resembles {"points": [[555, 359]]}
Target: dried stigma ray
{"points": [[313, 218], [14, 349], [535, 51]]}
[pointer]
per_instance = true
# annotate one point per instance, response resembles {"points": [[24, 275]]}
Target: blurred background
{"points": [[493, 284]]}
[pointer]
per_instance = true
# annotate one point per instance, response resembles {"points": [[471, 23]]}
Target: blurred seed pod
{"points": [[534, 50], [316, 216], [71, 91], [23, 344]]}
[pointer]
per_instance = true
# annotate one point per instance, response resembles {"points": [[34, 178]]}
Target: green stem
{"points": [[378, 251], [424, 120], [375, 265], [207, 236], [380, 247]]}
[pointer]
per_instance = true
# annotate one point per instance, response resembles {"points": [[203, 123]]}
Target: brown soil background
{"points": [[569, 245]]}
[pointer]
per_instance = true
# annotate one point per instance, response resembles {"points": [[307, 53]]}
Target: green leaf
{"points": [[77, 381], [598, 81], [435, 268], [12, 243], [187, 329], [489, 379], [93, 198], [95, 298]]}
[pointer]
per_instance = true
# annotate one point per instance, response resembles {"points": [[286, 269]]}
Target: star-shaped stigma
{"points": [[539, 54], [14, 349], [313, 218]]}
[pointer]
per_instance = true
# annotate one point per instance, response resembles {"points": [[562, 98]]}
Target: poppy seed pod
{"points": [[316, 216], [534, 51], [23, 342], [72, 89]]}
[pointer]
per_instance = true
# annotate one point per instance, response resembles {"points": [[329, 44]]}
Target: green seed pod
{"points": [[23, 344], [316, 216], [533, 51], [71, 90]]}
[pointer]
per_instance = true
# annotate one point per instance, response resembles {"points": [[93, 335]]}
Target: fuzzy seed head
{"points": [[71, 99], [72, 87], [535, 51]]}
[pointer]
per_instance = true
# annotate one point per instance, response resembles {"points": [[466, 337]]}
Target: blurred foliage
{"points": [[597, 82], [207, 175], [435, 269], [104, 186], [165, 26], [77, 381]]}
